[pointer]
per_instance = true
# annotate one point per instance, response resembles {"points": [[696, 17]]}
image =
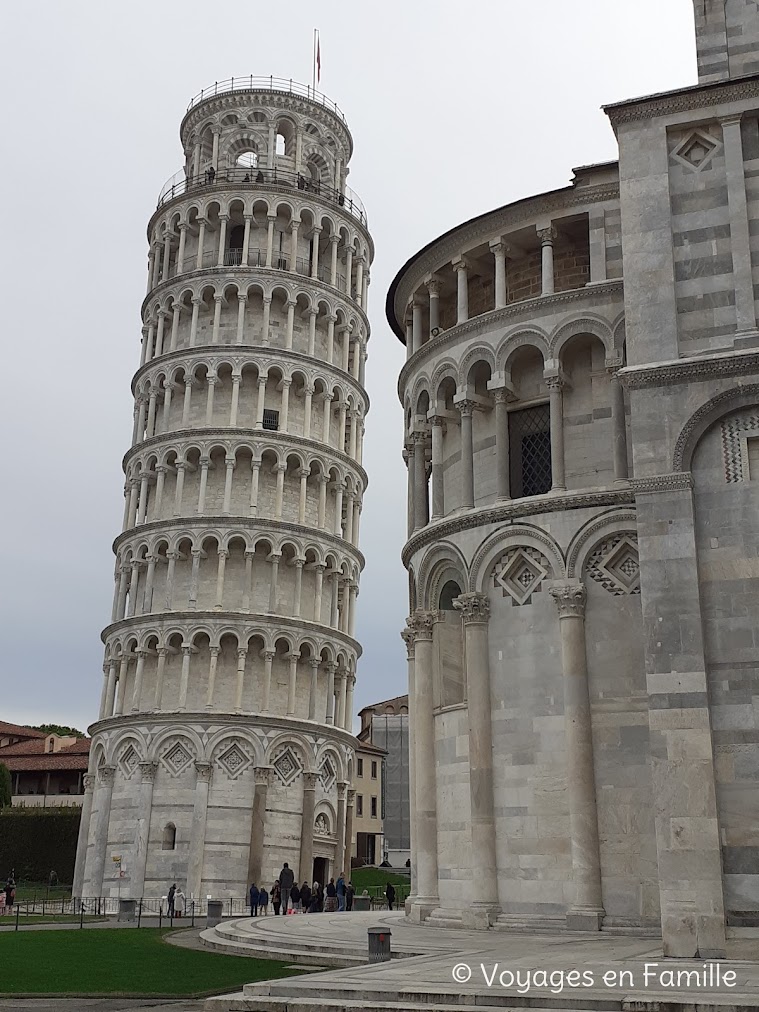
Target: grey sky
{"points": [[455, 108]]}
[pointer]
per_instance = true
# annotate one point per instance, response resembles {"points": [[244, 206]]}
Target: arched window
{"points": [[280, 144], [247, 160], [236, 236], [169, 837], [448, 594]]}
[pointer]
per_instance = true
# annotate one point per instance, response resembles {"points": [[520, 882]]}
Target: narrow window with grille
{"points": [[271, 419], [530, 451]]}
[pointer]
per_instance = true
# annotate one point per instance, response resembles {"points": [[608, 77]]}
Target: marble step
{"points": [[292, 952], [337, 1003]]}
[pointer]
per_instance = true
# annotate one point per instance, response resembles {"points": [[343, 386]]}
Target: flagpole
{"points": [[313, 74]]}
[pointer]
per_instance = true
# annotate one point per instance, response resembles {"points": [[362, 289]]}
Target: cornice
{"points": [[237, 619], [232, 275], [497, 222], [231, 351], [178, 719], [684, 100], [690, 370], [505, 513], [238, 434], [676, 481], [602, 293], [233, 523]]}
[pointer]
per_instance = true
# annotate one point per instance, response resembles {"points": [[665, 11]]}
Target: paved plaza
{"points": [[506, 968]]}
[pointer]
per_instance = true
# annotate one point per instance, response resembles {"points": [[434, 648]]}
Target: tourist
{"points": [[390, 893], [286, 879], [276, 897], [2, 902], [330, 903], [305, 897], [313, 906], [263, 902], [179, 903], [340, 887], [211, 173], [255, 899], [349, 894], [170, 899], [295, 896]]}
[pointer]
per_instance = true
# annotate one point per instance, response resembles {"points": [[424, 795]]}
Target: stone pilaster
{"points": [[258, 824], [408, 636], [198, 830], [105, 775], [350, 808], [84, 832], [306, 865], [142, 836]]}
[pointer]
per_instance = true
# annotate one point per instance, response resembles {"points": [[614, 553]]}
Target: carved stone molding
{"points": [[408, 636], [105, 775], [500, 513], [203, 771], [570, 599], [262, 776], [705, 368], [148, 771], [89, 782], [685, 100], [422, 622], [677, 481], [722, 403]]}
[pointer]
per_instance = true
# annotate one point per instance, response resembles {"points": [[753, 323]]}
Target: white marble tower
{"points": [[223, 745]]}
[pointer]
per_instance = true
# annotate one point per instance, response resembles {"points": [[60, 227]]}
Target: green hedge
{"points": [[34, 841]]}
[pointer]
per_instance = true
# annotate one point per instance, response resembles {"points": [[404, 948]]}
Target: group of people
{"points": [[176, 901], [308, 899]]}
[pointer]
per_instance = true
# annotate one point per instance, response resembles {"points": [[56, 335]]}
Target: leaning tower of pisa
{"points": [[223, 744]]}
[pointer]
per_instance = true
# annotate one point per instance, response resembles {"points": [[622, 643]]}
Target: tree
{"points": [[5, 786], [60, 729]]}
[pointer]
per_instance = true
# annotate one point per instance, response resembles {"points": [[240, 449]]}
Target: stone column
{"points": [[268, 656], [142, 836], [110, 695], [475, 611], [547, 236], [223, 555], [212, 666], [349, 832], [313, 687], [242, 302], [340, 828], [242, 656], [201, 243], [587, 912], [330, 714], [105, 775], [162, 652], [184, 679], [137, 691], [461, 266], [416, 324], [258, 825], [745, 310], [292, 682], [408, 636], [198, 830], [558, 481], [424, 768], [466, 410], [502, 444], [84, 833], [421, 499], [306, 863], [618, 426], [433, 287], [498, 249]]}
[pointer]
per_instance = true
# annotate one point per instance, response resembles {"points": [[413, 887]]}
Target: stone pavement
{"points": [[490, 969]]}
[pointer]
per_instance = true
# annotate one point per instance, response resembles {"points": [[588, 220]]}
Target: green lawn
{"points": [[376, 878], [29, 891], [10, 920], [118, 961]]}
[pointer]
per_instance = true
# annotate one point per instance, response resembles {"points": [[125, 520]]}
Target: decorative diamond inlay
{"points": [[176, 758], [287, 766], [327, 774], [128, 760], [615, 565], [734, 430], [234, 760], [520, 574], [697, 150]]}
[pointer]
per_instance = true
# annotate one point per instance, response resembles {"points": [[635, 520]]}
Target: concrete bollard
{"points": [[379, 945]]}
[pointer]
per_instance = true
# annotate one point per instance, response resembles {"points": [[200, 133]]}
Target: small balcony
{"points": [[280, 261]]}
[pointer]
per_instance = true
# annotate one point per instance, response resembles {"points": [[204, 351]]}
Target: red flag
{"points": [[318, 60]]}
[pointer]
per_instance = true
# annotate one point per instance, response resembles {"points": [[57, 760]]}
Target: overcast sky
{"points": [[455, 108]]}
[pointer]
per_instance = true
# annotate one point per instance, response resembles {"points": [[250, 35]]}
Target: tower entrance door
{"points": [[321, 867]]}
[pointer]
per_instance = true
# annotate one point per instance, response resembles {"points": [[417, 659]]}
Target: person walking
{"points": [[170, 899], [390, 894], [286, 879], [179, 903], [330, 903], [263, 902], [313, 906], [340, 887], [295, 897], [255, 899], [350, 892], [276, 897]]}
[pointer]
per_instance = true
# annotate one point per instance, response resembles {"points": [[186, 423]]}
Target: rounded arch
{"points": [[525, 338], [444, 558], [595, 326], [722, 404], [595, 530], [520, 535]]}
